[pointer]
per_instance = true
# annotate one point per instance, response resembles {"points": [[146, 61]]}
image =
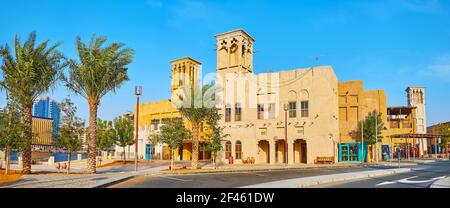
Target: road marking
{"points": [[386, 183], [177, 179], [408, 181]]}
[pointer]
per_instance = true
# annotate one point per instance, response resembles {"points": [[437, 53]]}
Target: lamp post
{"points": [[137, 92], [286, 108], [362, 135], [362, 141], [376, 136]]}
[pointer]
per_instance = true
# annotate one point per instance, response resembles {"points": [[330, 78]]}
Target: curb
{"points": [[106, 185], [369, 175], [324, 179]]}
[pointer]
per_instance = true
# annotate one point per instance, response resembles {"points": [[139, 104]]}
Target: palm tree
{"points": [[31, 71], [196, 107], [100, 70]]}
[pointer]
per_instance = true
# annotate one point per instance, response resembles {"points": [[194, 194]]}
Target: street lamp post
{"points": [[286, 108], [137, 92], [362, 136], [362, 141], [376, 136]]}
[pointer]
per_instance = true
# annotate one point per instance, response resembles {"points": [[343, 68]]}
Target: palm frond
{"points": [[100, 70]]}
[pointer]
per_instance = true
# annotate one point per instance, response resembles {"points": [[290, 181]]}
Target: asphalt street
{"points": [[421, 176], [229, 180]]}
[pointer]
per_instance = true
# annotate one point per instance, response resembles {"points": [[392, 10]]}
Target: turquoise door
{"points": [[148, 151], [352, 152]]}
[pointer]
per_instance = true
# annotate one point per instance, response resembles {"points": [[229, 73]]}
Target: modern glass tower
{"points": [[46, 108]]}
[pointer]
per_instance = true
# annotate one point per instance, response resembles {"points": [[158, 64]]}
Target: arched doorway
{"points": [[300, 151], [238, 150], [264, 151]]}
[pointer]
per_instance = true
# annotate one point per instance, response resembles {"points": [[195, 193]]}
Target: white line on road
{"points": [[408, 181]]}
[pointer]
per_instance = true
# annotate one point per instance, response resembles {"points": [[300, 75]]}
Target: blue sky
{"points": [[390, 44]]}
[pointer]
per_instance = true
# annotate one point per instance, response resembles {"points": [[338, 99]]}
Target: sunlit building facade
{"points": [[42, 132], [297, 116]]}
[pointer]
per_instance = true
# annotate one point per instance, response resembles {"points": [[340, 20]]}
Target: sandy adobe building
{"points": [[289, 116], [257, 106]]}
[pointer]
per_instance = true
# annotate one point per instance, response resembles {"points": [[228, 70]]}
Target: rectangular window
{"points": [[227, 114], [155, 123], [165, 121], [305, 109], [394, 124], [260, 111], [272, 109], [292, 109], [238, 113]]}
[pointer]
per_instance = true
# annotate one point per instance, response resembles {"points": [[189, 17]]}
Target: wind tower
{"points": [[234, 52], [416, 98], [185, 72]]}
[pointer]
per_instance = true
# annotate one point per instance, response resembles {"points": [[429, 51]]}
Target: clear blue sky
{"points": [[390, 44]]}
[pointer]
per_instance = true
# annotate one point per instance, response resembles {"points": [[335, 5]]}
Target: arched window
{"points": [[227, 113], [238, 150], [228, 149]]}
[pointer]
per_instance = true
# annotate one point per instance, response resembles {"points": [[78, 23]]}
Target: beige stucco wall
{"points": [[354, 105]]}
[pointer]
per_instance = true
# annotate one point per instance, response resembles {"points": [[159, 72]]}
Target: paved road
{"points": [[421, 176], [229, 180]]}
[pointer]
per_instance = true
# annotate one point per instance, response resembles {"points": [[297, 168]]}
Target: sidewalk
{"points": [[113, 174], [316, 180], [443, 183], [103, 177]]}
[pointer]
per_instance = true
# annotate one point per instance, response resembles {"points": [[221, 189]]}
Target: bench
{"points": [[324, 160], [249, 160]]}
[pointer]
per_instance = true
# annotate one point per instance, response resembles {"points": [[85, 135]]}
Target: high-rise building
{"points": [[44, 107]]}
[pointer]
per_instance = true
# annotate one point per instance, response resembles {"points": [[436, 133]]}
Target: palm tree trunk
{"points": [[69, 160], [26, 151], [195, 144], [91, 163]]}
